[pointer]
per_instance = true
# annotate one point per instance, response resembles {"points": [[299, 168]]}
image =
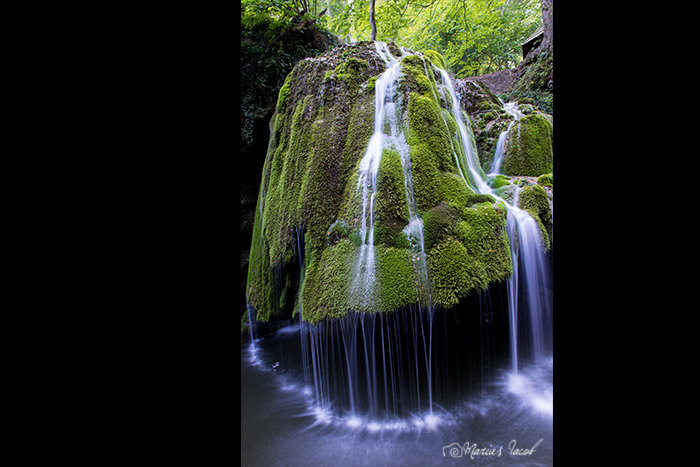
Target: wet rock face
{"points": [[309, 240], [529, 143]]}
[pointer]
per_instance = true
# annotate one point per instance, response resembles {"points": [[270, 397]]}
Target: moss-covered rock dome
{"points": [[306, 242]]}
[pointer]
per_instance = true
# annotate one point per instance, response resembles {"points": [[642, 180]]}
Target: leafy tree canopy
{"points": [[475, 36]]}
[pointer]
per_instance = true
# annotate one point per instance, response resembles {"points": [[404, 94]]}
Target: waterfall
{"points": [[367, 177], [475, 175], [512, 109], [529, 265], [382, 370], [385, 115]]}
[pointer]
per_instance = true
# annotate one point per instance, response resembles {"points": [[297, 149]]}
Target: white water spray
{"points": [[367, 179], [512, 109], [527, 253]]}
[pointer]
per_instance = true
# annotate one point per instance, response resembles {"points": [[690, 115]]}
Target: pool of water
{"points": [[506, 420]]}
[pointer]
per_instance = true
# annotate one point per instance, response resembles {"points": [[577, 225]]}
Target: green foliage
{"points": [[474, 36], [275, 35], [535, 86]]}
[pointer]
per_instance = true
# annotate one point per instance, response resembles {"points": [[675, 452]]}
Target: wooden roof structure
{"points": [[533, 41]]}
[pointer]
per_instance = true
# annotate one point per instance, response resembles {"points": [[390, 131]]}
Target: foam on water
{"points": [[354, 422], [533, 387]]}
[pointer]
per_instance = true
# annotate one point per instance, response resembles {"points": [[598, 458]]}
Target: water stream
{"points": [[512, 109], [364, 389], [527, 287], [363, 285]]}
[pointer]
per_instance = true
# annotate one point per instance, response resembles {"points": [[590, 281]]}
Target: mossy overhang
{"points": [[321, 128]]}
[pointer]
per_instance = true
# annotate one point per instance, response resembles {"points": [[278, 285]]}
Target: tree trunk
{"points": [[535, 72], [372, 23], [547, 21]]}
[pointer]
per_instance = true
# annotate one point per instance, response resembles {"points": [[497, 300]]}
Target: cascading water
{"points": [[474, 176], [385, 115], [512, 109], [384, 372], [529, 264], [363, 286]]}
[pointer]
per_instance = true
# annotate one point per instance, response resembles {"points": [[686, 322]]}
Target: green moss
{"points": [[326, 288], [483, 234], [259, 287], [351, 71], [455, 191], [436, 59], [499, 181], [506, 192], [359, 132], [546, 180], [449, 272], [415, 78], [438, 224], [356, 238], [393, 48], [371, 83], [395, 277], [431, 150], [487, 105], [336, 232], [391, 205], [306, 172], [534, 200], [528, 150], [283, 95], [526, 109], [426, 177], [469, 253], [321, 129]]}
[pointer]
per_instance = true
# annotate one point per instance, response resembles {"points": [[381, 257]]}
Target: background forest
{"points": [[475, 36]]}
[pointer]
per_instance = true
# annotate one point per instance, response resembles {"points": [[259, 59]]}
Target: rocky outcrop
{"points": [[499, 82], [529, 143], [528, 149], [306, 241]]}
